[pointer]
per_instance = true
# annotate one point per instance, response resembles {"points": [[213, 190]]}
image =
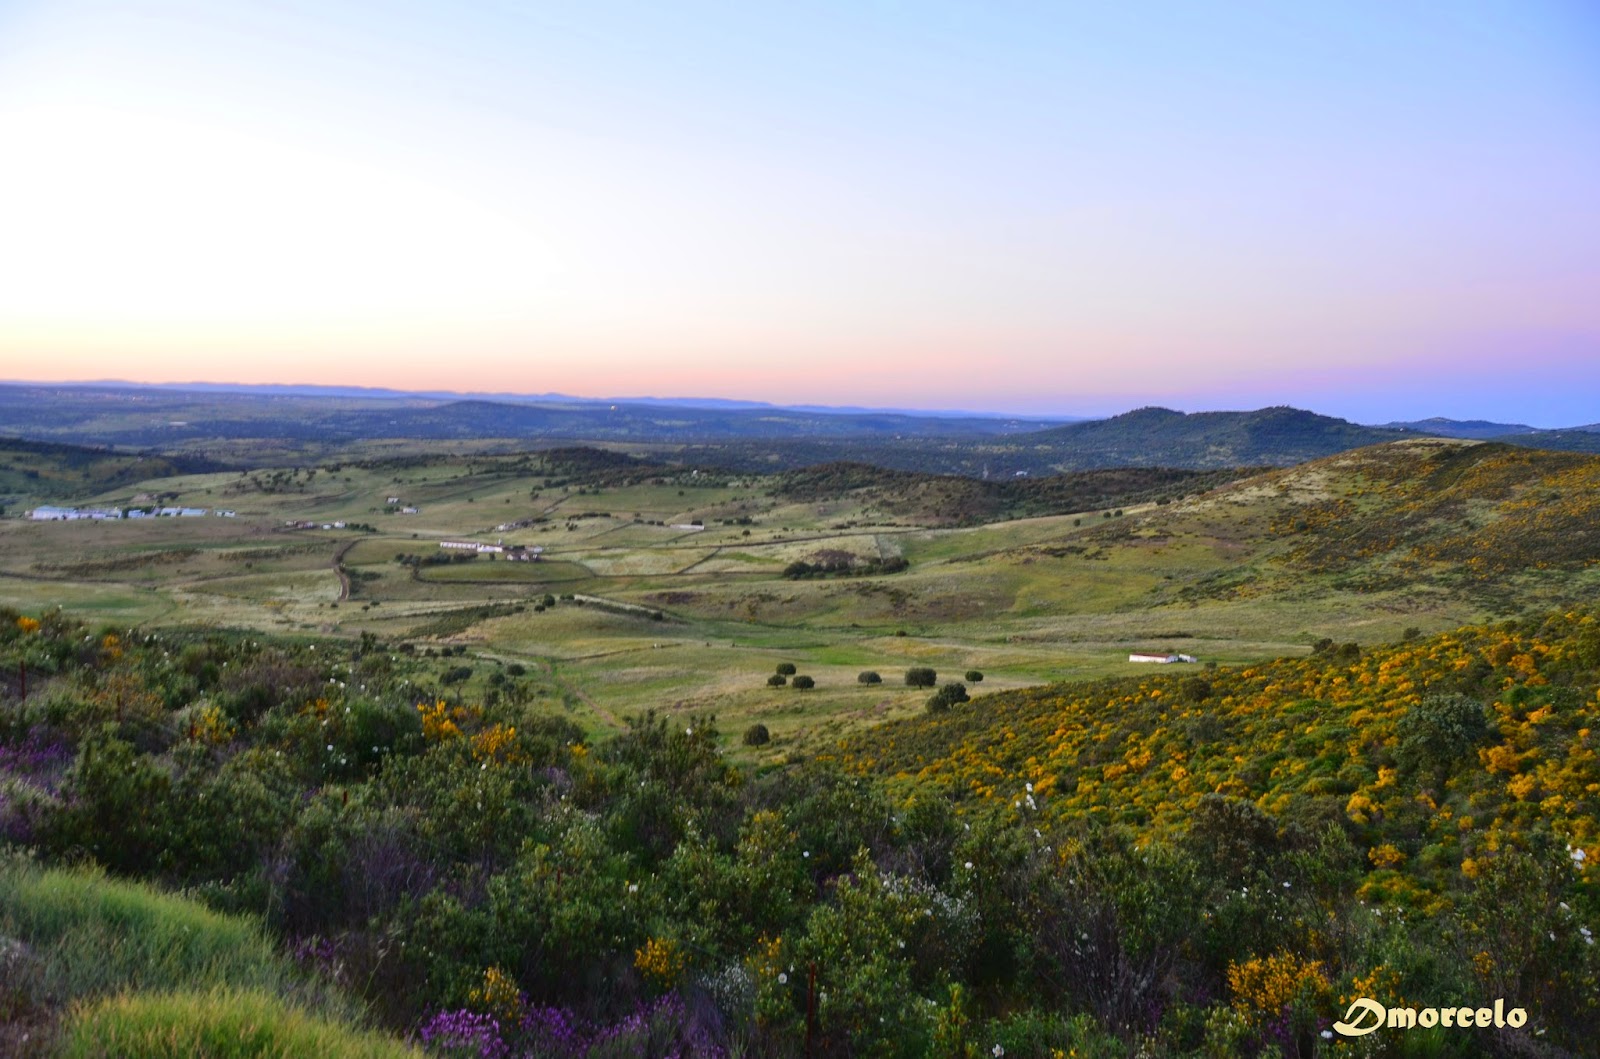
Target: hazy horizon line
{"points": [[732, 403]]}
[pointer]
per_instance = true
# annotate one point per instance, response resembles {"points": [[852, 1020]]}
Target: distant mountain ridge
{"points": [[383, 393], [154, 417], [259, 425], [1475, 429]]}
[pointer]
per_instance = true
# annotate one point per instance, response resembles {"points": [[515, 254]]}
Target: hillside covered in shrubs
{"points": [[1208, 863]]}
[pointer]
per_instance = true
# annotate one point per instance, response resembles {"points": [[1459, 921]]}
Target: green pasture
{"points": [[694, 620]]}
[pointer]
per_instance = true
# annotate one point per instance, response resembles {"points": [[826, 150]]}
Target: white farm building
{"points": [[472, 546]]}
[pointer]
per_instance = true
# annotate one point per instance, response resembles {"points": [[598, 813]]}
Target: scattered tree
{"points": [[947, 696]]}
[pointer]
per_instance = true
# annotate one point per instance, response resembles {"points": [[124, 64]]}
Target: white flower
{"points": [[783, 979], [1327, 1035], [807, 853], [633, 888], [1030, 788], [997, 1051], [688, 731], [969, 865]]}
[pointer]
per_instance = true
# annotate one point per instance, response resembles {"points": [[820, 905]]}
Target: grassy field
{"points": [[109, 968], [670, 591]]}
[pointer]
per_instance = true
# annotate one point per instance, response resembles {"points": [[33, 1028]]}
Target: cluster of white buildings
{"points": [[472, 546], [1160, 658], [516, 552], [48, 513]]}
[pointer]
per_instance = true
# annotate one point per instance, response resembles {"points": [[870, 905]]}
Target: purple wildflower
{"points": [[41, 758], [464, 1032]]}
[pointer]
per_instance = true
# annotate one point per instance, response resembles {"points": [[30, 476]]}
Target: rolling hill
{"points": [[1160, 437], [1145, 437], [958, 500], [38, 471]]}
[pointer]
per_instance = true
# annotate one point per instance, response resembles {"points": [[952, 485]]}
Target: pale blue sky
{"points": [[1376, 210]]}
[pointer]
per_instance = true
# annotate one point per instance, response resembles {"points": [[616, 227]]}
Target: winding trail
{"points": [[600, 711], [338, 568]]}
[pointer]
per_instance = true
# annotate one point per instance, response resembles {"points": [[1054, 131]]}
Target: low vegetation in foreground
{"points": [[1207, 863], [94, 966]]}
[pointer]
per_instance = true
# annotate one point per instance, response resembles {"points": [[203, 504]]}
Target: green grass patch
{"points": [[95, 936], [221, 1024]]}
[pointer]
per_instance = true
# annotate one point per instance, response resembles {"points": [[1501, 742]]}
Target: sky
{"points": [[1375, 210]]}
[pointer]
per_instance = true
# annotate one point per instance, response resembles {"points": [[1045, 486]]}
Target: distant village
{"points": [[515, 552], [47, 513]]}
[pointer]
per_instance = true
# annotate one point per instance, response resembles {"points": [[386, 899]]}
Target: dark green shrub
{"points": [[804, 683], [921, 677], [974, 676], [868, 677], [947, 696], [786, 669], [757, 735], [116, 808], [1440, 732], [777, 680]]}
